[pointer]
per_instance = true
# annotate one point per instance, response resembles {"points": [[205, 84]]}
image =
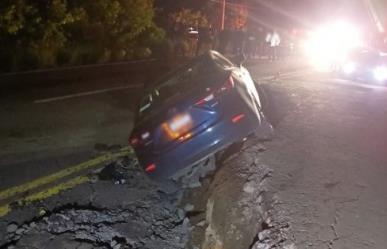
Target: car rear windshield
{"points": [[181, 81]]}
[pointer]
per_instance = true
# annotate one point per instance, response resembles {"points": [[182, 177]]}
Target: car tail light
{"points": [[150, 168], [238, 118], [178, 126], [135, 141], [229, 84]]}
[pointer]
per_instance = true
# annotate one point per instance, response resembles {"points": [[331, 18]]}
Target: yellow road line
{"points": [[5, 194], [46, 193], [4, 210], [53, 190]]}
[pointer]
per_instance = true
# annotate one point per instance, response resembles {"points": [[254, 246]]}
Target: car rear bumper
{"points": [[206, 143]]}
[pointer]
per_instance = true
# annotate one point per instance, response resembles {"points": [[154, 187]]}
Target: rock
{"points": [[113, 243], [113, 172], [290, 246], [189, 207], [186, 223], [201, 223], [118, 246], [11, 228], [260, 245], [121, 181], [42, 212], [168, 187], [264, 235], [194, 185], [181, 214], [261, 148], [20, 231], [93, 179], [248, 188], [260, 199]]}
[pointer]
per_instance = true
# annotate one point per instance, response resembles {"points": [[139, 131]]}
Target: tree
{"points": [[189, 18], [236, 15], [50, 32]]}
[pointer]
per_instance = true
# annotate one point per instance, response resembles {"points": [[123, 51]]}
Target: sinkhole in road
{"points": [[224, 207]]}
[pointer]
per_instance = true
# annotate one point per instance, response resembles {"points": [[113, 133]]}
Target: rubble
{"points": [[11, 228], [191, 177], [189, 207], [275, 231], [131, 215]]}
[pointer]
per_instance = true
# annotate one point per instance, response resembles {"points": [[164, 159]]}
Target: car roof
{"points": [[211, 57]]}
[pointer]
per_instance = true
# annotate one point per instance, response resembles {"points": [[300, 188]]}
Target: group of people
{"points": [[254, 44]]}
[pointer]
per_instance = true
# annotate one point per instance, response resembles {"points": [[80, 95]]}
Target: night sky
{"points": [[310, 12], [301, 13]]}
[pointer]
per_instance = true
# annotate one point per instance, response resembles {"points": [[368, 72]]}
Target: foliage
{"points": [[236, 15], [190, 18], [47, 33]]}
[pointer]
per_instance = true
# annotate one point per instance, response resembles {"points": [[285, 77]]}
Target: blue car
{"points": [[194, 112]]}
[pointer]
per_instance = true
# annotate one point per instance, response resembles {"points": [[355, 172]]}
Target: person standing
{"points": [[274, 40]]}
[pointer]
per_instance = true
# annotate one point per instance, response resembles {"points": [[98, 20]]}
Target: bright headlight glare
{"points": [[331, 43], [349, 67], [380, 73]]}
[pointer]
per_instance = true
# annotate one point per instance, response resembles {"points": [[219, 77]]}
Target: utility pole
{"points": [[223, 14]]}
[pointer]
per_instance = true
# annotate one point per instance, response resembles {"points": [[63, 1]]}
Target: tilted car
{"points": [[192, 113]]}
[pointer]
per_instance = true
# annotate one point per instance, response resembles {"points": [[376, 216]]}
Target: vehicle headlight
{"points": [[380, 73], [349, 67], [331, 43]]}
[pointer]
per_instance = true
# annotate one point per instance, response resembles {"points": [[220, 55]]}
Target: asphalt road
{"points": [[329, 160], [41, 133]]}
